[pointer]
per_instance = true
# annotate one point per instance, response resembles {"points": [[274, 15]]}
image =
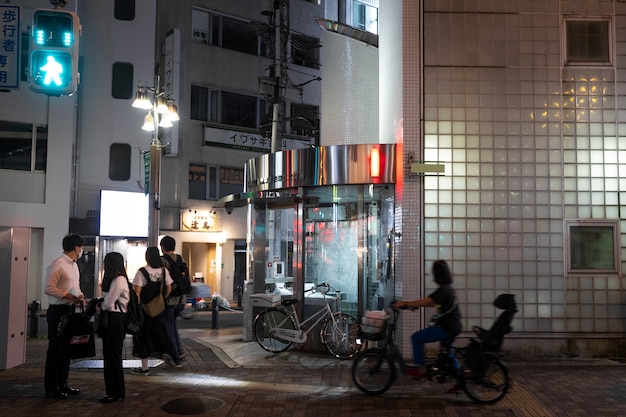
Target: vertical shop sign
{"points": [[146, 172], [10, 47]]}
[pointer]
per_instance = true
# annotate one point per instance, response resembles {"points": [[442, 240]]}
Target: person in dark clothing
{"points": [[175, 304], [63, 289], [116, 290], [448, 324]]}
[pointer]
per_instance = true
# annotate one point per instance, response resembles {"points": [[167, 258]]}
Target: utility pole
{"points": [[281, 33]]}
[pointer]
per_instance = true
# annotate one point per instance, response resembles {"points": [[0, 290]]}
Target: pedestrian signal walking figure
{"points": [[53, 71]]}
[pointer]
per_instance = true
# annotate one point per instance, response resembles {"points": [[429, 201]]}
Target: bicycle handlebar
{"points": [[324, 285], [402, 308]]}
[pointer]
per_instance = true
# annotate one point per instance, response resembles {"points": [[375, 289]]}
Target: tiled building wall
{"points": [[526, 143], [409, 263], [349, 97]]}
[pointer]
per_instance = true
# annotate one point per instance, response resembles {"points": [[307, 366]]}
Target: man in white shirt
{"points": [[63, 290]]}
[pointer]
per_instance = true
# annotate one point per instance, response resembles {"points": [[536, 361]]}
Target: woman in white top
{"points": [[116, 289], [148, 284]]}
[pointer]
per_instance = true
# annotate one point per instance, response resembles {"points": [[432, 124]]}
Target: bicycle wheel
{"points": [[267, 320], [488, 387], [342, 339], [373, 371]]}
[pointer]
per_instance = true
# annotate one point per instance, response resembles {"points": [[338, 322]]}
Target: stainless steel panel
{"points": [[329, 165]]}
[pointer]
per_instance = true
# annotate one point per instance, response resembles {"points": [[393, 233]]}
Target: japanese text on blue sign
{"points": [[10, 47]]}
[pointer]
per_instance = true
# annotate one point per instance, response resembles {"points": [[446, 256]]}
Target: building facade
{"points": [[93, 141], [520, 101]]}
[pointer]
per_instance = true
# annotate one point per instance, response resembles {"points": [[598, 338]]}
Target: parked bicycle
{"points": [[482, 374], [277, 328]]}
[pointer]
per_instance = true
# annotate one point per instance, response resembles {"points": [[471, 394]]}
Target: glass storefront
{"points": [[343, 232], [316, 216]]}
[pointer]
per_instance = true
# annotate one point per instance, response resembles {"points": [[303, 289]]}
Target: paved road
{"points": [[226, 377], [203, 319]]}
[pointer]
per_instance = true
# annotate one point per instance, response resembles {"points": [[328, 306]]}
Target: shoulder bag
{"points": [[155, 306], [100, 322]]}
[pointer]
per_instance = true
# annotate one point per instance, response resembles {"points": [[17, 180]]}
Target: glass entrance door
{"points": [[346, 229], [333, 234]]}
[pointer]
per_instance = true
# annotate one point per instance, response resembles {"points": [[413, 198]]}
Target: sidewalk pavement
{"points": [[223, 376]]}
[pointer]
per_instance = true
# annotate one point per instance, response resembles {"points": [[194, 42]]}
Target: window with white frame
{"points": [[592, 246], [227, 32], [587, 42], [365, 15], [226, 107], [211, 182]]}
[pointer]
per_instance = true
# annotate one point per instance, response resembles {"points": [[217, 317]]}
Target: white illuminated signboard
{"points": [[123, 214]]}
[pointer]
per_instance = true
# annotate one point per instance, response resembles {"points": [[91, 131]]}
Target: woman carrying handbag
{"points": [[116, 295], [150, 282]]}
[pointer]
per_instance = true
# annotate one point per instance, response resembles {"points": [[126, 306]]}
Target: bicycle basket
{"points": [[373, 325]]}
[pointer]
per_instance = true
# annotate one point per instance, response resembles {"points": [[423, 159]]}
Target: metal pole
{"points": [[154, 217], [215, 313], [277, 108], [155, 191]]}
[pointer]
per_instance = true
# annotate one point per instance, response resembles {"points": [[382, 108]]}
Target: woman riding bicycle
{"points": [[448, 322]]}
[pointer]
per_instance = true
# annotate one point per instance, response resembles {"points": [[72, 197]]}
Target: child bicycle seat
{"points": [[493, 338]]}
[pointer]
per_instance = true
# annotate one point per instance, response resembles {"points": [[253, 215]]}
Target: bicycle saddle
{"points": [[290, 302]]}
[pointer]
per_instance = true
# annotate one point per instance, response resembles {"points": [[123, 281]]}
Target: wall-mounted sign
{"points": [[10, 47], [426, 168], [248, 141], [198, 221]]}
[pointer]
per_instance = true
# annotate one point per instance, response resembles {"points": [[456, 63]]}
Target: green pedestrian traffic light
{"points": [[54, 52], [52, 70]]}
